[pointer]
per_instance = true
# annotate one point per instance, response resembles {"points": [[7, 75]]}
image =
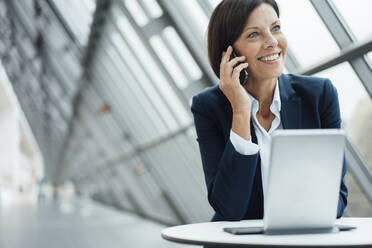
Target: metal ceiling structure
{"points": [[106, 87]]}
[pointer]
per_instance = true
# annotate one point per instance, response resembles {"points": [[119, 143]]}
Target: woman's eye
{"points": [[252, 35], [277, 28]]}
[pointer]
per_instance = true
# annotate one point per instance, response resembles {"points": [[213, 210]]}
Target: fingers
{"points": [[227, 65], [234, 61], [238, 69], [226, 55]]}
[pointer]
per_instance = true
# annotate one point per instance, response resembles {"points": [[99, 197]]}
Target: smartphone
{"points": [[345, 227], [243, 77], [244, 230]]}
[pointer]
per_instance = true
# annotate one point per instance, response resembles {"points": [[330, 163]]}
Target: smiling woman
{"points": [[262, 43], [234, 122]]}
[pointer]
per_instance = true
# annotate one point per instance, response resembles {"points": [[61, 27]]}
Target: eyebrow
{"points": [[258, 28]]}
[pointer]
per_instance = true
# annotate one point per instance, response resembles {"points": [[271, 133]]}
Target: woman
{"points": [[234, 122]]}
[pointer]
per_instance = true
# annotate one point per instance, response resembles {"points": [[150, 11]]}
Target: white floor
{"points": [[77, 224]]}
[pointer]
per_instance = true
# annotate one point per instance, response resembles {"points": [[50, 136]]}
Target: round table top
{"points": [[211, 233]]}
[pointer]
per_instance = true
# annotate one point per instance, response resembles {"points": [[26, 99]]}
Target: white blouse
{"points": [[263, 137]]}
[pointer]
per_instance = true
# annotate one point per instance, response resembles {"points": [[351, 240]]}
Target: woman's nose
{"points": [[270, 41]]}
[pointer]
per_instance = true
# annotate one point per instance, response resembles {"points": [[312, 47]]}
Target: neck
{"points": [[263, 91]]}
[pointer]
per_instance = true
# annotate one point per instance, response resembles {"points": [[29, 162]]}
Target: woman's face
{"points": [[262, 43]]}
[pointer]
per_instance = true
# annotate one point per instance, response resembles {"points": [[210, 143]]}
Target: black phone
{"points": [[243, 77]]}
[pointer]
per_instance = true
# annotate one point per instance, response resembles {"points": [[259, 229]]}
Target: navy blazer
{"points": [[234, 180]]}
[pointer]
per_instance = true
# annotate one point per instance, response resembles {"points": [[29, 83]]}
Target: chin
{"points": [[275, 74]]}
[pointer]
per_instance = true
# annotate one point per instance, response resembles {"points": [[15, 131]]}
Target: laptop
{"points": [[303, 182]]}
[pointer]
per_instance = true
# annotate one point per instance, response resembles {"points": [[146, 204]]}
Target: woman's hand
{"points": [[230, 84], [235, 93]]}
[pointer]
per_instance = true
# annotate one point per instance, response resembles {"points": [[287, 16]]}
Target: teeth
{"points": [[269, 58]]}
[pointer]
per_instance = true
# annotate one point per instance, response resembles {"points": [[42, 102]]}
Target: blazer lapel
{"points": [[290, 113], [253, 133]]}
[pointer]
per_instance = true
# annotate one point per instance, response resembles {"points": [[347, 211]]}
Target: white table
{"points": [[211, 233]]}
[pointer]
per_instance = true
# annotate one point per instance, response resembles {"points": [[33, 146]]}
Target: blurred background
{"points": [[97, 141]]}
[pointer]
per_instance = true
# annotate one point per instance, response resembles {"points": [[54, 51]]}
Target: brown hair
{"points": [[226, 24]]}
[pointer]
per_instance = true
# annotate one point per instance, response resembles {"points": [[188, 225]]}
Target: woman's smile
{"points": [[271, 59]]}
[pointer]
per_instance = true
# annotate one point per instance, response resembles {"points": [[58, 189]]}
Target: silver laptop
{"points": [[304, 180]]}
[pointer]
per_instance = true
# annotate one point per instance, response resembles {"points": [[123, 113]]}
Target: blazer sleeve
{"points": [[229, 175], [331, 118]]}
